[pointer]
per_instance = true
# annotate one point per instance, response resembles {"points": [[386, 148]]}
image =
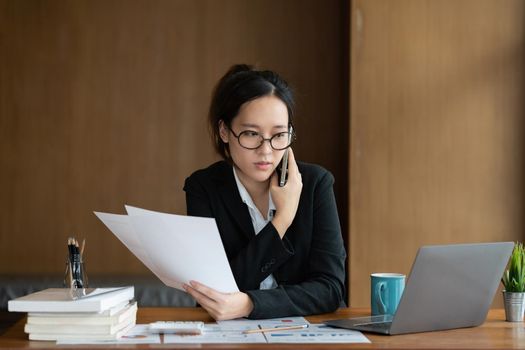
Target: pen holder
{"points": [[75, 277]]}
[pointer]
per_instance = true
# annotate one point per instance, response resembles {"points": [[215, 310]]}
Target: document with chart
{"points": [[176, 248], [241, 331]]}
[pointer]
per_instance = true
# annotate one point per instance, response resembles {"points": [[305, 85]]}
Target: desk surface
{"points": [[495, 333]]}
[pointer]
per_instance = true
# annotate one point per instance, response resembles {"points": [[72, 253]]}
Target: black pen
{"points": [[78, 278], [73, 263], [71, 260], [70, 249]]}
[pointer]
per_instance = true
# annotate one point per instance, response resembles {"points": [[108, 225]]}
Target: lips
{"points": [[263, 165]]}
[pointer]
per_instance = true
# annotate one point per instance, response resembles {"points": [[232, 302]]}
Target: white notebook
{"points": [[117, 309], [59, 300], [82, 319], [79, 330], [98, 337]]}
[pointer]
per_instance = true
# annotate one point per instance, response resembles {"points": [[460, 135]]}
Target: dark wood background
{"points": [[104, 103]]}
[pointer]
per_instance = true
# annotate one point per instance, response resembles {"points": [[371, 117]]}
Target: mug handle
{"points": [[380, 287]]}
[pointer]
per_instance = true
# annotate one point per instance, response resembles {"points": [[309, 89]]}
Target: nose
{"points": [[265, 148]]}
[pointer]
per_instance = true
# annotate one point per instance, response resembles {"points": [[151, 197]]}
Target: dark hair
{"points": [[243, 83]]}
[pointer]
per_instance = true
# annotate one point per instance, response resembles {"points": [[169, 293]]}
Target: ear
{"points": [[223, 131]]}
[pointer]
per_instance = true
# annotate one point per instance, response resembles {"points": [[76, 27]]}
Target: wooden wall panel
{"points": [[437, 129], [104, 103]]}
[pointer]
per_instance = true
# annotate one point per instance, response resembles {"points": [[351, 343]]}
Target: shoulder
{"points": [[217, 169], [211, 176], [313, 173]]}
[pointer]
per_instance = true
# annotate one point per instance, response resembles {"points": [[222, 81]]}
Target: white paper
{"points": [[265, 323], [137, 335], [176, 248], [217, 334], [316, 333], [121, 227], [231, 332]]}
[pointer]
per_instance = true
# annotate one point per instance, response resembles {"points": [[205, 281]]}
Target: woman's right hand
{"points": [[286, 198]]}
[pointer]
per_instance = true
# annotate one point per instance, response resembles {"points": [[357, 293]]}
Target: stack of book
{"points": [[102, 314]]}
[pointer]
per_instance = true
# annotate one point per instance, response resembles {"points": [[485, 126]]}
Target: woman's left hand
{"points": [[220, 306]]}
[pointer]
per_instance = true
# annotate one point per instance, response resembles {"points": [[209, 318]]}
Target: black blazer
{"points": [[308, 263]]}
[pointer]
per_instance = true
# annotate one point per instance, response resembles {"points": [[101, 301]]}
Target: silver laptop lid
{"points": [[451, 286]]}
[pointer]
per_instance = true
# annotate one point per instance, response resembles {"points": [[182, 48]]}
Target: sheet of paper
{"points": [[217, 334], [137, 335], [176, 248], [232, 332], [266, 323], [121, 227], [316, 333]]}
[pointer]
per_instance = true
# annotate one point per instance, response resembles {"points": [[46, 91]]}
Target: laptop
{"points": [[450, 286]]}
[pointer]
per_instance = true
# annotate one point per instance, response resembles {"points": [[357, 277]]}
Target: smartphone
{"points": [[282, 168]]}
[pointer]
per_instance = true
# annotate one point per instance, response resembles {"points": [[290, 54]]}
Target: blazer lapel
{"points": [[233, 202]]}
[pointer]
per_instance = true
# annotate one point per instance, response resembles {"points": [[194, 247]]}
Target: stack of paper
{"points": [[103, 314], [176, 248]]}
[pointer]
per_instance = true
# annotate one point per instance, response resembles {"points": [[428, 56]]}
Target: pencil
{"points": [[82, 249], [275, 329]]}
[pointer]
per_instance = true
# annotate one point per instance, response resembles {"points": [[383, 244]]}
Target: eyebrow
{"points": [[248, 125]]}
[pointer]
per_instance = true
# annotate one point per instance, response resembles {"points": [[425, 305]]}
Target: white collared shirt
{"points": [[258, 221]]}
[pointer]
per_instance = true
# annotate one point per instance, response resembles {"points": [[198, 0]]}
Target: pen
{"points": [[78, 267], [70, 257], [74, 261], [275, 329], [71, 249]]}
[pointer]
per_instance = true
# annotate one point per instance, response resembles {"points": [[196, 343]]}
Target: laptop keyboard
{"points": [[376, 325]]}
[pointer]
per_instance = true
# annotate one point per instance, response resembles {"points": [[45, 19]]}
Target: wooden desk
{"points": [[495, 333]]}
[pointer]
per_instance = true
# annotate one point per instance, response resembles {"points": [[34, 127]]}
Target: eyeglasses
{"points": [[252, 139]]}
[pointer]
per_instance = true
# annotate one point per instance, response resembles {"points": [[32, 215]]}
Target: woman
{"points": [[284, 244]]}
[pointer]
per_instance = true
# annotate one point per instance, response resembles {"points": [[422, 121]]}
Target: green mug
{"points": [[385, 292]]}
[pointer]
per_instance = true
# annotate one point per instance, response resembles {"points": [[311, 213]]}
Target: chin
{"points": [[261, 176]]}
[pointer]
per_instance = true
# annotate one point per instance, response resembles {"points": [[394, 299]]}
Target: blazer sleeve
{"points": [[323, 288]]}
